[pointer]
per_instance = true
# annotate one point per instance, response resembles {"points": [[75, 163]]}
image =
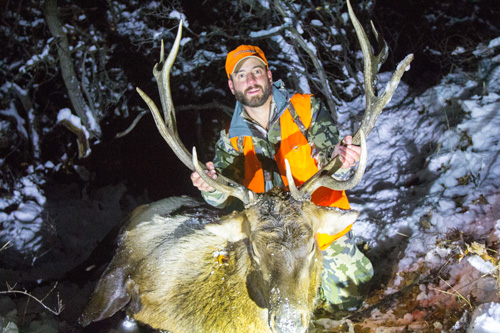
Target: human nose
{"points": [[251, 78]]}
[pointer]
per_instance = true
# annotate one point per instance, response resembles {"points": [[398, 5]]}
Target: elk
{"points": [[181, 267]]}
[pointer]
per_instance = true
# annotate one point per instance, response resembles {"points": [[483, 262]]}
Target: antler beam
{"points": [[167, 126], [374, 106]]}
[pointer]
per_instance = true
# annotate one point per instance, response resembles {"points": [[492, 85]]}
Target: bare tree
{"points": [[80, 105]]}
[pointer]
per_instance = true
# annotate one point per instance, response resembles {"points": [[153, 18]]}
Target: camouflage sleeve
{"points": [[230, 163], [323, 135]]}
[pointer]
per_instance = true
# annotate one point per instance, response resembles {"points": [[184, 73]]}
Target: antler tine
{"points": [[323, 177], [294, 191], [245, 195], [167, 125], [372, 64], [374, 106]]}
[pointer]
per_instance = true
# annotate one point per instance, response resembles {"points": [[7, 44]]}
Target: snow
{"points": [[462, 163], [485, 267], [179, 16], [184, 41], [265, 3], [35, 138], [262, 33], [494, 43], [311, 47], [65, 114], [288, 51], [300, 30], [488, 319], [458, 50], [20, 227], [37, 57], [94, 125], [12, 112]]}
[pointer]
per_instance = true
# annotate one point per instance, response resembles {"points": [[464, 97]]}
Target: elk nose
{"points": [[294, 322]]}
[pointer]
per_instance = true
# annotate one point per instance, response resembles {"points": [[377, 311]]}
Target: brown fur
{"points": [[169, 272]]}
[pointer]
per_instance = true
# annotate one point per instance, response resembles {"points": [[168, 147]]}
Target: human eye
{"points": [[258, 71], [240, 76]]}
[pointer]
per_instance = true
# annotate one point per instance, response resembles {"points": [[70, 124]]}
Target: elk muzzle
{"points": [[288, 319], [288, 311]]}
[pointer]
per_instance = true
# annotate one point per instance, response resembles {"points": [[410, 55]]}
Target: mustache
{"points": [[253, 87]]}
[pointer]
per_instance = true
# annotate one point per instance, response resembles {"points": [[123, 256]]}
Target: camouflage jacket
{"points": [[322, 135]]}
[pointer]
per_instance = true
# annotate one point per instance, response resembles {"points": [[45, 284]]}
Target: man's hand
{"points": [[349, 153], [200, 183]]}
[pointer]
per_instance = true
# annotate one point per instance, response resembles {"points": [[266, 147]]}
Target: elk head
{"points": [[285, 262]]}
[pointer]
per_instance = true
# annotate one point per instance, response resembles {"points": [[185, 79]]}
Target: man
{"points": [[269, 125]]}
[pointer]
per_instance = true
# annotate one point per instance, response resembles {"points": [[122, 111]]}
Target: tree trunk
{"points": [[80, 106]]}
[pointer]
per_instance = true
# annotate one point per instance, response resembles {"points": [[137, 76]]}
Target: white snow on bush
{"points": [[487, 320]]}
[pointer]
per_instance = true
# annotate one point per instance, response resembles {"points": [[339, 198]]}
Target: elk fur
{"points": [[244, 272]]}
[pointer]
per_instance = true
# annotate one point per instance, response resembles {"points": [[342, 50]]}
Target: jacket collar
{"points": [[242, 127]]}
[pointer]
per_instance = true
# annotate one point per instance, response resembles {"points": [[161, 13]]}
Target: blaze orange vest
{"points": [[296, 149]]}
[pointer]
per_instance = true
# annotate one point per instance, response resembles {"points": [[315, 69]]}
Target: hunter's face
{"points": [[251, 83]]}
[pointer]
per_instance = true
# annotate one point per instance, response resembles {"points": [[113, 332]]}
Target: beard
{"points": [[255, 101]]}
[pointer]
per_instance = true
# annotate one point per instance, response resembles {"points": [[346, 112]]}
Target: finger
{"points": [[355, 149], [198, 182], [211, 170], [201, 185], [349, 161], [345, 162], [347, 140], [353, 154], [210, 166], [194, 176], [351, 157], [206, 188], [211, 173]]}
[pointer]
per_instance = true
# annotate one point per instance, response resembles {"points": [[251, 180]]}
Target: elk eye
{"points": [[313, 248]]}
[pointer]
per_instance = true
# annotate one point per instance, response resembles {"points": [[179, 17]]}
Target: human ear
{"points": [[231, 85]]}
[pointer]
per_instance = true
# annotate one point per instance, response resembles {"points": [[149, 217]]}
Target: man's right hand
{"points": [[200, 183]]}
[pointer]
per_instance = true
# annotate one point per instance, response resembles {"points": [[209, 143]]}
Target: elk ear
{"points": [[113, 292], [331, 221], [233, 229]]}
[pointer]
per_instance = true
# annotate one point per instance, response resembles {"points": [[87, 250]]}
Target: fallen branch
{"points": [[5, 246], [454, 293], [81, 138], [132, 126], [56, 311], [190, 107]]}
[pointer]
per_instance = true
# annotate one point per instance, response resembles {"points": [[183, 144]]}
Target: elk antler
{"points": [[374, 106], [168, 126]]}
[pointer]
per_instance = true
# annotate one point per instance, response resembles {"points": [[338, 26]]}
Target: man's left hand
{"points": [[349, 153]]}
